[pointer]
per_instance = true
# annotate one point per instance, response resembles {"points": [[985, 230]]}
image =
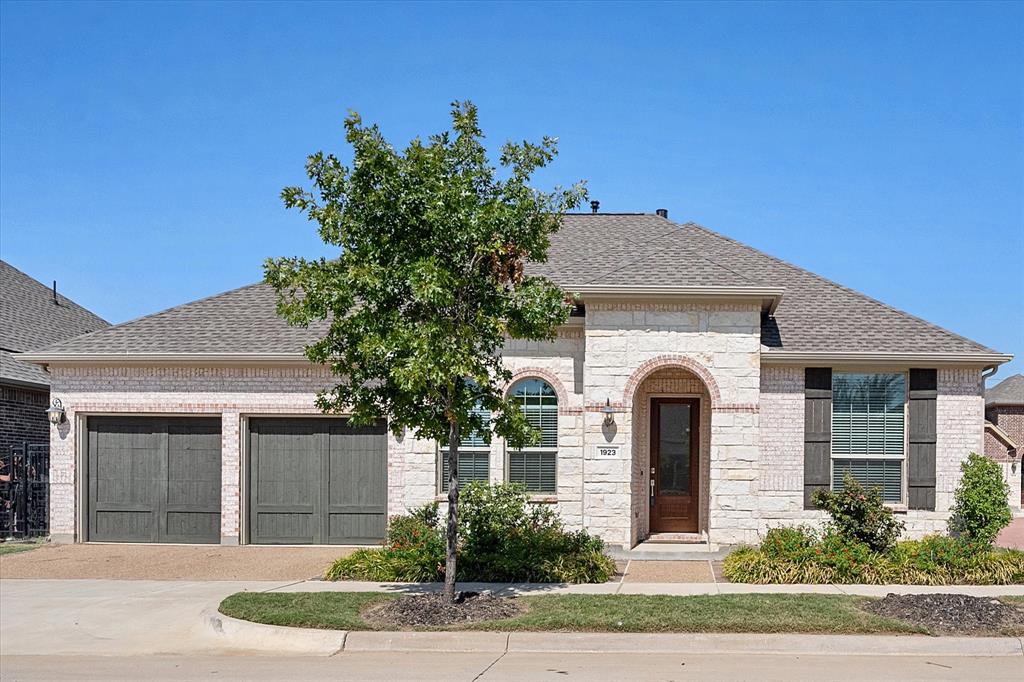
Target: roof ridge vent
{"points": [[663, 212]]}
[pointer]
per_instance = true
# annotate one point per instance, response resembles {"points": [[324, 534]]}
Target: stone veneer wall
{"points": [[625, 343], [752, 464], [959, 409]]}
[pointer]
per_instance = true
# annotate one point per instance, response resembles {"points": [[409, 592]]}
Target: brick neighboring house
{"points": [[703, 392], [31, 316], [1004, 426]]}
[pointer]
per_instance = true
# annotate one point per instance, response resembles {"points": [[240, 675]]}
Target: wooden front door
{"points": [[675, 485]]}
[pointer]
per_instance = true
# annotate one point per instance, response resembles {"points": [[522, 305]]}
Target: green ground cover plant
{"points": [[805, 613], [7, 548], [806, 556], [503, 538], [860, 544]]}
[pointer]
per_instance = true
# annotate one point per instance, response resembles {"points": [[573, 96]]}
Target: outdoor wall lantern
{"points": [[609, 412], [55, 413]]}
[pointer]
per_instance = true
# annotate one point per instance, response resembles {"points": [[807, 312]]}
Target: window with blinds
{"points": [[474, 456], [869, 431], [536, 467]]}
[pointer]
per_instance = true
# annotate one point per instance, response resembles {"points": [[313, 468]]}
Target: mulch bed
{"points": [[950, 613], [433, 610]]}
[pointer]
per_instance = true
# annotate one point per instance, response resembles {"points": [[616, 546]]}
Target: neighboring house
{"points": [[1004, 426], [32, 316], [703, 390]]}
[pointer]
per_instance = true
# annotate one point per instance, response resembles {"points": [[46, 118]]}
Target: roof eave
{"points": [[45, 359], [22, 383], [770, 297], [784, 357]]}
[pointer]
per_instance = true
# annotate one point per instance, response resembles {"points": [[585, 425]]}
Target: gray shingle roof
{"points": [[30, 320], [1009, 391], [815, 315]]}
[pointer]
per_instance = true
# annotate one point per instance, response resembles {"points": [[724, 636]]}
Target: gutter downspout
{"points": [[989, 371]]}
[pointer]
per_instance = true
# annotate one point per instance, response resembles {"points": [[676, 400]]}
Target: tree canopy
{"points": [[429, 280]]}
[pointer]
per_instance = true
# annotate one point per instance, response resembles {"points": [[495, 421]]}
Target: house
{"points": [[1004, 425], [32, 316], [703, 391]]}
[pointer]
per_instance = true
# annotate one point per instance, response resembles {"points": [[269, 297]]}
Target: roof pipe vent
{"points": [[663, 212], [56, 301], [594, 205]]}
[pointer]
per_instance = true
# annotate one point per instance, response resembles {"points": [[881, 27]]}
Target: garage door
{"points": [[316, 481], [153, 479]]}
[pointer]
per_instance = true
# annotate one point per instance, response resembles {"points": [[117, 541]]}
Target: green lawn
{"points": [[16, 547], [804, 613]]}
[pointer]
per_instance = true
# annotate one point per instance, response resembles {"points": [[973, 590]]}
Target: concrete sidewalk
{"points": [[125, 617], [626, 587]]}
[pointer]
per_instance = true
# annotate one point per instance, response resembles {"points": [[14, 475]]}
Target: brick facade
{"points": [[1010, 420], [22, 416], [622, 354]]}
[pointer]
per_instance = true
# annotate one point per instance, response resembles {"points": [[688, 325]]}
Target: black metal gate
{"points": [[25, 491]]}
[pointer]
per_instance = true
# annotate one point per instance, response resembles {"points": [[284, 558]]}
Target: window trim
{"points": [[902, 458], [545, 495]]}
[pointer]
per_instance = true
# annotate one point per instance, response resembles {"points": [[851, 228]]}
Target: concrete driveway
{"points": [[106, 617], [170, 562]]}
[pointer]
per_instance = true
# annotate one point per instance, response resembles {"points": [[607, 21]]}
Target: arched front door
{"points": [[675, 489]]}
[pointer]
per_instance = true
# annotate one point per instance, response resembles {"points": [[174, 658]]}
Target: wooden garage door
{"points": [[316, 481], [154, 479]]}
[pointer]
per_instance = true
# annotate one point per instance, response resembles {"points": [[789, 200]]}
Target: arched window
{"points": [[536, 466], [474, 456]]}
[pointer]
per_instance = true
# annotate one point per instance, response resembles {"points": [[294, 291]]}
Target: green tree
{"points": [[980, 508], [428, 282]]}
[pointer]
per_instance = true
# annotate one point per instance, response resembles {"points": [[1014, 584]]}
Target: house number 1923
{"points": [[606, 451]]}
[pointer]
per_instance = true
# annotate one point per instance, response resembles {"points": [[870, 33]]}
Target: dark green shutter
{"points": [[921, 437], [817, 431]]}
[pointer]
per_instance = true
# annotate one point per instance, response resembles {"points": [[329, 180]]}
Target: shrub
{"points": [[980, 509], [507, 539], [859, 514], [503, 538], [832, 558], [413, 552], [789, 542]]}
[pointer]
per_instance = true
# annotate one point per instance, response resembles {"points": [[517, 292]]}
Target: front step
{"points": [[677, 538], [669, 551]]}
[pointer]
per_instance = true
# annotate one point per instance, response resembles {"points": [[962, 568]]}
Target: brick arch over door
{"points": [[548, 376], [665, 361]]}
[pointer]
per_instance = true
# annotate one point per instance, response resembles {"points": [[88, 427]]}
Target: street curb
{"points": [[244, 635]]}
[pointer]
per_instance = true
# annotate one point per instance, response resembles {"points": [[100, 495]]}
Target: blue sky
{"points": [[143, 146]]}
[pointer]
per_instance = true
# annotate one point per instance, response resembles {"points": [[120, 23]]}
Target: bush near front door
{"points": [[503, 538]]}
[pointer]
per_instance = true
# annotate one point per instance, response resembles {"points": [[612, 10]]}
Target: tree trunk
{"points": [[453, 510]]}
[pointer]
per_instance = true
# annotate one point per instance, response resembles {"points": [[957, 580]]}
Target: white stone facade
{"points": [[622, 354]]}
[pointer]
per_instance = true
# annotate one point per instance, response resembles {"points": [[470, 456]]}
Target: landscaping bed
{"points": [[951, 613], [436, 610], [859, 545], [741, 613], [502, 538]]}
